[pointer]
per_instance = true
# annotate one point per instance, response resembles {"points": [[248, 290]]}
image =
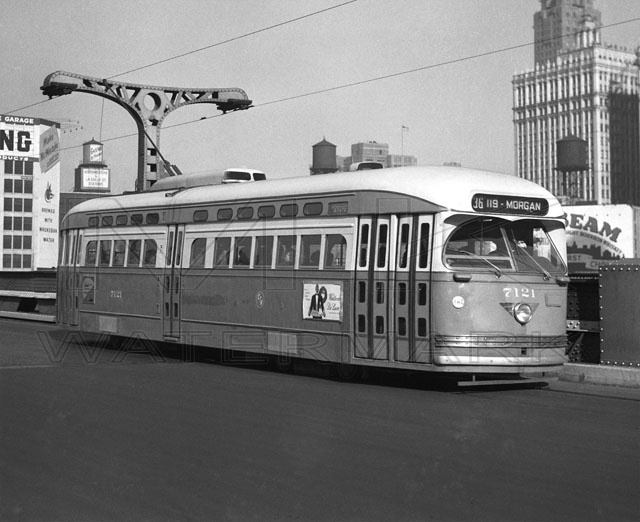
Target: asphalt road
{"points": [[100, 435]]}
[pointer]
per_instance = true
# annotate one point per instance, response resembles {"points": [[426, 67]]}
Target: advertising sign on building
{"points": [[94, 179], [29, 216], [598, 234]]}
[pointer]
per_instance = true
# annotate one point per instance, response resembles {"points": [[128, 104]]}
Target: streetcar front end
{"points": [[499, 292]]}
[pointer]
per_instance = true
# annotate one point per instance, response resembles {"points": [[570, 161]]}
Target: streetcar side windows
{"points": [[221, 252], [286, 251], [119, 250], [335, 253], [133, 258], [90, 253], [264, 251], [198, 251], [310, 246], [150, 251], [242, 253], [105, 253]]}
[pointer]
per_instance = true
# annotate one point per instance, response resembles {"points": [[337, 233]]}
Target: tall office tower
{"points": [[556, 23], [590, 91]]}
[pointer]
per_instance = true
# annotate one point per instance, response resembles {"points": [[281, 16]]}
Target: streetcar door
{"points": [[412, 289], [68, 287], [172, 283], [371, 319]]}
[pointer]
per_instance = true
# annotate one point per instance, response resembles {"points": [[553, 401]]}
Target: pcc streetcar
{"points": [[439, 269]]}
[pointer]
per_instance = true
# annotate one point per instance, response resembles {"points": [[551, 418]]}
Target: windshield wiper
{"points": [[475, 256], [546, 274]]}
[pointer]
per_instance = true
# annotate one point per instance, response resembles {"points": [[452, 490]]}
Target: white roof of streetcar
{"points": [[449, 187]]}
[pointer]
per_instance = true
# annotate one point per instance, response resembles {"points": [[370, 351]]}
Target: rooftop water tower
{"points": [[324, 158]]}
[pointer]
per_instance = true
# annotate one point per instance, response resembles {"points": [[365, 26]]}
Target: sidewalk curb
{"points": [[600, 374]]}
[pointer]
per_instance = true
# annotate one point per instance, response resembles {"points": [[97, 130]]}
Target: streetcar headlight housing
{"points": [[522, 313]]}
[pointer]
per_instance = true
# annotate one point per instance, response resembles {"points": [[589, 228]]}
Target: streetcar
{"points": [[435, 269]]}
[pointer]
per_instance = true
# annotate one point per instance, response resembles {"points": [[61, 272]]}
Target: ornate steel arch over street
{"points": [[149, 105]]}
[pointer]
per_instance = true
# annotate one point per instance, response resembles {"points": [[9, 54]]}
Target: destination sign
{"points": [[509, 204]]}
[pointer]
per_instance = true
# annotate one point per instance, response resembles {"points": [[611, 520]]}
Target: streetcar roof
{"points": [[446, 187]]}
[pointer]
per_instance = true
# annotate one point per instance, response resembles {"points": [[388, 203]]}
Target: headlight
{"points": [[522, 312]]}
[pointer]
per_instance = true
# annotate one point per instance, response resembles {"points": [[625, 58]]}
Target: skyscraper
{"points": [[554, 24], [588, 90]]}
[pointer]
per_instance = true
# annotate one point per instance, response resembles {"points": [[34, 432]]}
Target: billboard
{"points": [[29, 216], [598, 234]]}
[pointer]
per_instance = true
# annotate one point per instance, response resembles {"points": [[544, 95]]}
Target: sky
{"points": [[460, 111]]}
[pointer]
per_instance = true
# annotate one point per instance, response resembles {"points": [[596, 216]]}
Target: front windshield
{"points": [[496, 244]]}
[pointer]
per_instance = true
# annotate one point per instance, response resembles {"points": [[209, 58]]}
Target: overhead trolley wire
{"points": [[379, 78], [246, 35]]}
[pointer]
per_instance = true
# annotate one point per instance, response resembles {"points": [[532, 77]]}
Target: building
{"points": [[399, 160], [556, 22], [30, 163], [588, 90], [325, 159], [370, 151]]}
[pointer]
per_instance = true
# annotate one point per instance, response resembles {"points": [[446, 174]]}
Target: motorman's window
{"points": [[264, 251], [198, 250], [150, 251], [222, 248], [335, 251], [383, 231], [90, 254], [310, 255], [133, 259]]}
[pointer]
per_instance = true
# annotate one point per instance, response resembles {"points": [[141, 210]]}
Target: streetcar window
{"points": [[267, 211], [245, 213], [225, 214], [423, 251], [310, 247], [107, 221], [479, 244], [121, 220], [286, 251], [150, 251], [532, 247], [198, 250], [178, 250], [335, 251], [200, 215], [382, 245], [152, 219], [119, 249], [264, 251], [221, 250], [404, 245], [364, 245], [289, 210], [242, 251], [90, 253], [497, 244], [136, 219], [93, 221], [402, 326], [105, 253], [312, 209], [133, 259]]}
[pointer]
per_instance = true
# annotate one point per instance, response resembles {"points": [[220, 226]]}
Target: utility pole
{"points": [[148, 105]]}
